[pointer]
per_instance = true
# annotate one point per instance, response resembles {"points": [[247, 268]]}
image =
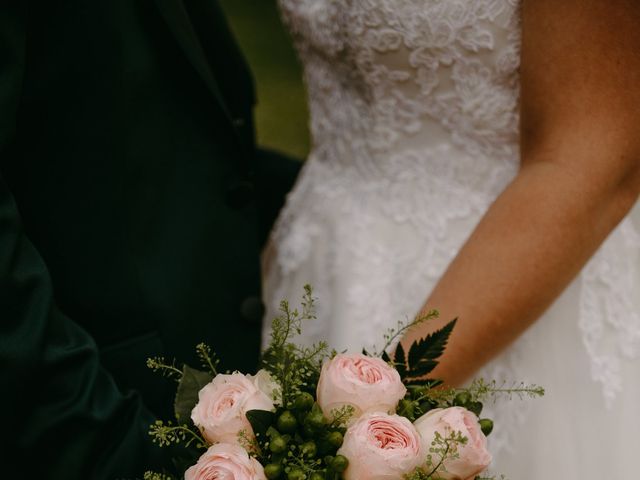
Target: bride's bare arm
{"points": [[579, 176]]}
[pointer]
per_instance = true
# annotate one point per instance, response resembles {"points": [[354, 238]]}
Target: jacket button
{"points": [[240, 194], [252, 309]]}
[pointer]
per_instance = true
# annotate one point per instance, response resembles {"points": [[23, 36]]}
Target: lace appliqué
{"points": [[609, 319]]}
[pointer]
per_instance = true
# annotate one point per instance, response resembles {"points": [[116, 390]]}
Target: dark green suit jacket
{"points": [[133, 205]]}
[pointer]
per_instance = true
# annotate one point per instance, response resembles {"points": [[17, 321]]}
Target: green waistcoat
{"points": [[133, 205]]}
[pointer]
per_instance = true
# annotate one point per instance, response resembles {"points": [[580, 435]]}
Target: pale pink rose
{"points": [[225, 461], [381, 447], [473, 457], [368, 384], [222, 406]]}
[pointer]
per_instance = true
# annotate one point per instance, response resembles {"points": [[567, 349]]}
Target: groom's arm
{"points": [[276, 174], [63, 416]]}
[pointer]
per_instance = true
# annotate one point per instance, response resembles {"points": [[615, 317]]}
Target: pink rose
{"points": [[381, 447], [368, 384], [473, 457], [222, 405], [225, 461]]}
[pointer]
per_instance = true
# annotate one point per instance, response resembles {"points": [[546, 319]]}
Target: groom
{"points": [[133, 207]]}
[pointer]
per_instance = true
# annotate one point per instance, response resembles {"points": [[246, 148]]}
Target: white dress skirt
{"points": [[414, 117]]}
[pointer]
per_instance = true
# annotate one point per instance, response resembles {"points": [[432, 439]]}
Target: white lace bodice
{"points": [[385, 76], [414, 119]]}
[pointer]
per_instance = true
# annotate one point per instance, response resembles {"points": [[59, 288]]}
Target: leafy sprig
{"points": [[208, 358], [481, 391], [394, 333], [249, 443], [169, 370], [340, 417], [441, 450], [296, 368], [149, 475], [165, 434], [422, 357]]}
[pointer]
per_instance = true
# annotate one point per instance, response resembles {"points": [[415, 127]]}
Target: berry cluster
{"points": [[300, 443], [421, 399]]}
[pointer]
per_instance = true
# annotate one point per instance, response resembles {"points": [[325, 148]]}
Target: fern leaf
{"points": [[400, 361]]}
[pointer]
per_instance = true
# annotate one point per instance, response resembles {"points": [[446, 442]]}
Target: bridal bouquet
{"points": [[312, 413]]}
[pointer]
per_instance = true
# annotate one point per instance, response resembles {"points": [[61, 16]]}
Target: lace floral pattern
{"points": [[415, 128], [609, 319]]}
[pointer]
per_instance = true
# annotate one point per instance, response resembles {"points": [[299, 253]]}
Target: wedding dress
{"points": [[414, 117]]}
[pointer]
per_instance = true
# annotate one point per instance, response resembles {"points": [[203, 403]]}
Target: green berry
{"points": [[317, 476], [462, 399], [315, 420], [308, 430], [335, 439], [303, 402], [486, 425], [287, 422], [309, 449], [339, 463], [278, 445], [296, 474], [475, 407], [273, 471]]}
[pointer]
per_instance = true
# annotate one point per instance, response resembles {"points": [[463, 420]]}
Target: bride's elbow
{"points": [[620, 172], [627, 189], [597, 166]]}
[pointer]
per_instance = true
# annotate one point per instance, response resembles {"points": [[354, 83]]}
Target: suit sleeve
{"points": [[276, 174], [63, 416]]}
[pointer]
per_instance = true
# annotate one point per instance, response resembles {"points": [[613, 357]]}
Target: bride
{"points": [[481, 157]]}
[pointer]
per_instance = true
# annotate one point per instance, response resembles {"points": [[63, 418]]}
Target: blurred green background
{"points": [[281, 114]]}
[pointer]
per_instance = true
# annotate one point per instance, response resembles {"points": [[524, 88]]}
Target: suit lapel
{"points": [[177, 19]]}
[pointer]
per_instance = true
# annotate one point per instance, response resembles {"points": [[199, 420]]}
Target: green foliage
{"points": [[149, 475], [423, 354], [400, 362], [393, 334], [165, 434], [191, 382], [442, 449], [301, 442], [479, 391], [260, 421], [169, 370], [249, 443], [422, 397], [294, 367], [208, 358], [297, 441], [340, 416]]}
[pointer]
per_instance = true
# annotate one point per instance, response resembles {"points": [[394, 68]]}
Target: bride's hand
{"points": [[579, 176]]}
